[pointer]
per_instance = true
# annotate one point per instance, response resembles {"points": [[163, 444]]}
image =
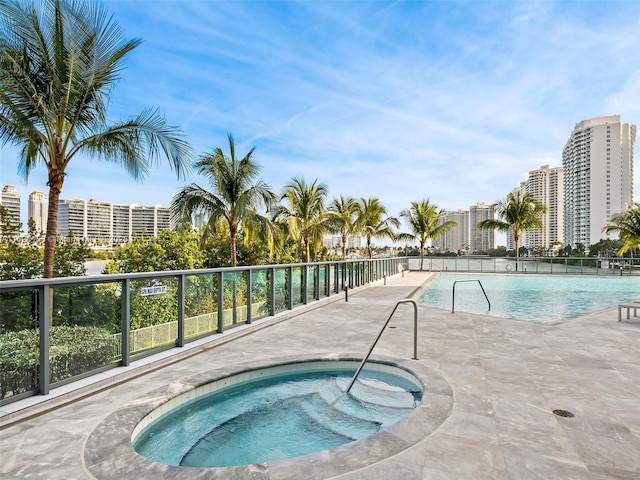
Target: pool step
{"points": [[370, 391], [308, 415], [367, 402], [341, 422]]}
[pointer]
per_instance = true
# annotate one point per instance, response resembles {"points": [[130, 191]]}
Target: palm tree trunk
{"points": [[516, 239], [344, 247], [233, 231], [56, 179], [421, 255], [306, 250], [234, 258]]}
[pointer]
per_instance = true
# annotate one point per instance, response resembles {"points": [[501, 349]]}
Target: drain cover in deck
{"points": [[563, 413]]}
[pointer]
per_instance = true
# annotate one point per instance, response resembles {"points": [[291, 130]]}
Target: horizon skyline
{"points": [[373, 99]]}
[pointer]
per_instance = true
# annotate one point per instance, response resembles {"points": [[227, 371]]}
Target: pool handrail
{"points": [[453, 295], [415, 340]]}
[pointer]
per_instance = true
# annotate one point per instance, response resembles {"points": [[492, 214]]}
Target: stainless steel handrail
{"points": [[415, 340], [453, 296]]}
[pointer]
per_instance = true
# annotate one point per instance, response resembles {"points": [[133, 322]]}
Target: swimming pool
{"points": [[530, 297]]}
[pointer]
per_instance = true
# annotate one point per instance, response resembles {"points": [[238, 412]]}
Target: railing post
{"points": [[290, 288], [125, 302], [181, 287], [220, 302], [44, 377], [316, 284]]}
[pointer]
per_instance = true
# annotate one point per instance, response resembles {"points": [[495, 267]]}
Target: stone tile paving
{"points": [[507, 377]]}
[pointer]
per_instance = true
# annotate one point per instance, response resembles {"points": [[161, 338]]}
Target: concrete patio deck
{"points": [[507, 378]]}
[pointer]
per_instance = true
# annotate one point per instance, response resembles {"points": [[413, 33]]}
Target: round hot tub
{"points": [[277, 412], [271, 418]]}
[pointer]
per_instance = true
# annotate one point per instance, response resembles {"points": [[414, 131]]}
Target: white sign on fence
{"points": [[157, 290]]}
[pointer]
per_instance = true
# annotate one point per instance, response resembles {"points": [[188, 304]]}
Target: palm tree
{"points": [[517, 213], [373, 222], [304, 212], [627, 224], [59, 61], [426, 222], [235, 194], [341, 219]]}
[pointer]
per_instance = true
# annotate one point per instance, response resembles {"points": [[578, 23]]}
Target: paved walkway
{"points": [[507, 377]]}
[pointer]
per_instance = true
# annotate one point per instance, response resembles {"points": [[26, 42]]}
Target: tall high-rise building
{"points": [[148, 221], [121, 221], [39, 210], [481, 239], [458, 237], [353, 241], [163, 218], [10, 199], [72, 218], [598, 177], [546, 185], [100, 222]]}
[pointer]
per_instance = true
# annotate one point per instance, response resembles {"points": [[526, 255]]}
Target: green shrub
{"points": [[19, 361], [74, 350]]}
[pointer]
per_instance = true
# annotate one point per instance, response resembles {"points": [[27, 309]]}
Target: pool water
{"points": [[530, 297], [281, 416]]}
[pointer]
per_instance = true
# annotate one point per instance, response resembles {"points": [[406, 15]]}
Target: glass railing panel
{"points": [[19, 342], [154, 313], [332, 279], [235, 298], [341, 276], [312, 281], [260, 293], [200, 305], [357, 274], [297, 277], [281, 296], [85, 329], [324, 279]]}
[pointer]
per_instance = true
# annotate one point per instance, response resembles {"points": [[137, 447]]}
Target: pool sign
{"points": [[157, 290]]}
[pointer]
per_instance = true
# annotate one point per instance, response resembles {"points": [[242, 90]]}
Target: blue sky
{"points": [[455, 101]]}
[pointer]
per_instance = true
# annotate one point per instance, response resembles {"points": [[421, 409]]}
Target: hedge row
{"points": [[74, 350]]}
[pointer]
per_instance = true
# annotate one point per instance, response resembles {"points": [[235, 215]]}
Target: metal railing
{"points": [[530, 265], [453, 294], [63, 329], [415, 340]]}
